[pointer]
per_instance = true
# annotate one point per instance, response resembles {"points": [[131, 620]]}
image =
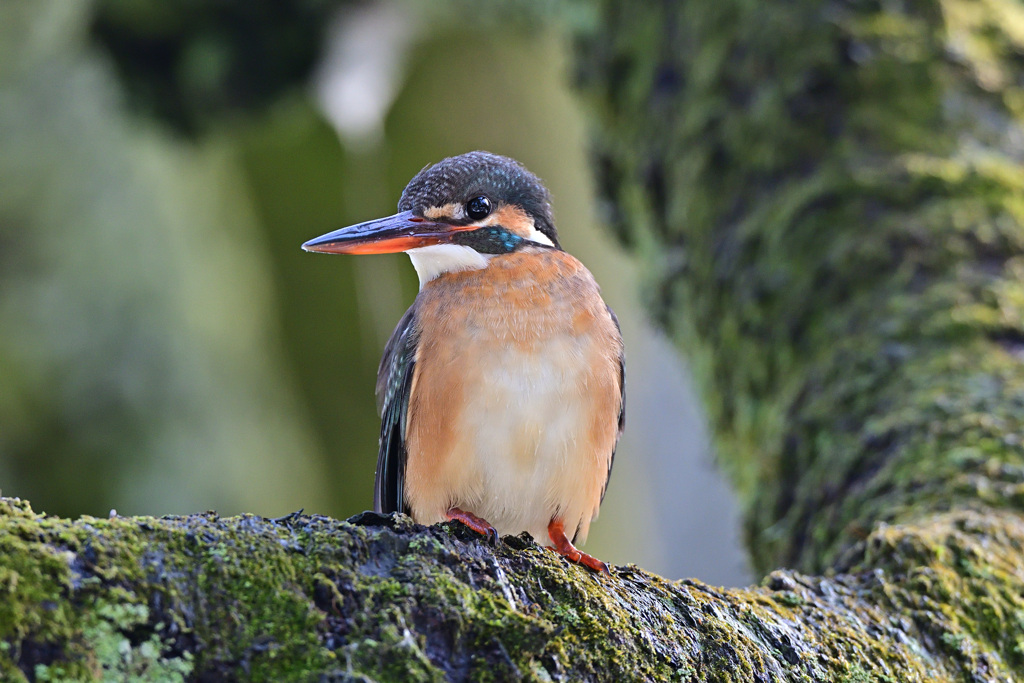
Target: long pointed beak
{"points": [[400, 232]]}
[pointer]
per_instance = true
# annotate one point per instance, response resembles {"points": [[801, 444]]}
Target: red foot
{"points": [[556, 531], [478, 525]]}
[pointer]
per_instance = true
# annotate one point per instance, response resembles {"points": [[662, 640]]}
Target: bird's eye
{"points": [[478, 208]]}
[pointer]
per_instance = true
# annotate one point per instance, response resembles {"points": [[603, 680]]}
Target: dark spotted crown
{"points": [[462, 178]]}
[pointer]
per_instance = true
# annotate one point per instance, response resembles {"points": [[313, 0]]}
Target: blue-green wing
{"points": [[394, 383]]}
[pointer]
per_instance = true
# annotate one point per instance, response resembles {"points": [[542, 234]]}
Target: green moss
{"points": [[789, 599], [55, 608], [831, 227], [832, 230], [381, 598], [109, 655]]}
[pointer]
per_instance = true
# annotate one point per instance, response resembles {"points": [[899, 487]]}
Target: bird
{"points": [[502, 389]]}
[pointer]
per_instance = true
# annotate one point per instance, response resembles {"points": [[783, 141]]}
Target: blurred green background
{"points": [[166, 347]]}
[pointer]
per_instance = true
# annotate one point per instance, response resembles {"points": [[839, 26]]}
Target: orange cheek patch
{"points": [[513, 219]]}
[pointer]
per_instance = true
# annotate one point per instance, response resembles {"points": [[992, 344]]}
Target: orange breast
{"points": [[514, 403]]}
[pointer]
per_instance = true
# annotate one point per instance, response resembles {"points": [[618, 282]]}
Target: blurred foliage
{"points": [[193, 63], [138, 364], [298, 174]]}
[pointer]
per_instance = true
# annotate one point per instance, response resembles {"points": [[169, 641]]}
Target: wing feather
{"points": [[394, 384]]}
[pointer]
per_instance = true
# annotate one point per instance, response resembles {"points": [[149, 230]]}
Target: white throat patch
{"points": [[439, 259]]}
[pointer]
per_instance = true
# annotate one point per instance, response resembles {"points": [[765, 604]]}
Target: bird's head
{"points": [[455, 215]]}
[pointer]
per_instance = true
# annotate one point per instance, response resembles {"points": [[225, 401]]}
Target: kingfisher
{"points": [[502, 390]]}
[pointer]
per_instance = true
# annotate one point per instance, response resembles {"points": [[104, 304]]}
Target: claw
{"points": [[475, 523], [563, 546]]}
